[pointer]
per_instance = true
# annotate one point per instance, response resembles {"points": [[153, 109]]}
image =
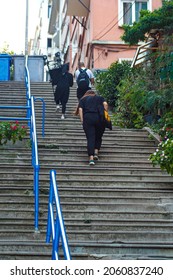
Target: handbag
{"points": [[104, 117], [107, 120]]}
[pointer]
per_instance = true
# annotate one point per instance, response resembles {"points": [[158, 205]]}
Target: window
{"points": [[49, 11], [127, 13], [138, 7], [129, 10], [49, 42]]}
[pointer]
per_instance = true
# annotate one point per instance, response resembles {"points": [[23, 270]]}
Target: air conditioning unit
{"points": [[125, 59]]}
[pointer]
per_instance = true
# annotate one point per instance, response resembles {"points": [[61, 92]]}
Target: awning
{"points": [[78, 7]]}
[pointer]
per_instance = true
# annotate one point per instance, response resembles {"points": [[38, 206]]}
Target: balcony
{"points": [[78, 7]]}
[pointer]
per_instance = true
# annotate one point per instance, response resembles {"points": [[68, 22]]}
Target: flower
{"points": [[10, 131], [163, 156]]}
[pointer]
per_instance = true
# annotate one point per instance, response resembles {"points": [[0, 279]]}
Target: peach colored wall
{"points": [[101, 60], [156, 4], [103, 26], [104, 21], [105, 15]]}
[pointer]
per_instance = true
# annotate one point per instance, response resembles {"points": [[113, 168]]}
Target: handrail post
{"points": [[57, 229], [48, 235], [35, 163], [43, 112], [56, 239], [36, 190], [29, 112], [28, 91], [33, 137]]}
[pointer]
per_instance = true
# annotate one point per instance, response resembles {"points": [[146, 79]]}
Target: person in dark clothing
{"points": [[81, 90], [61, 94], [92, 124]]}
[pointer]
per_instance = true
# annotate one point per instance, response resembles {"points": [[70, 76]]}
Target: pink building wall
{"points": [[102, 13], [156, 4], [104, 17], [102, 44]]}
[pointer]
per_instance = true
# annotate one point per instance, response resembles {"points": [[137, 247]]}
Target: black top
{"points": [[90, 104]]}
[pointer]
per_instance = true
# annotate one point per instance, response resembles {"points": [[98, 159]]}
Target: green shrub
{"points": [[163, 156], [107, 82], [160, 19]]}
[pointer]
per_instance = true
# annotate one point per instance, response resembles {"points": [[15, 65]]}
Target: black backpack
{"points": [[83, 79]]}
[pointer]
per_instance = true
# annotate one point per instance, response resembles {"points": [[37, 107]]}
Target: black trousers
{"points": [[94, 130], [61, 96]]}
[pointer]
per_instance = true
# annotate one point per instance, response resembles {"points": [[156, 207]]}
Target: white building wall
{"points": [[41, 32], [44, 21], [40, 42]]}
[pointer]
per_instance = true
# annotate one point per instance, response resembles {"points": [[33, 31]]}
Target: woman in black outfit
{"points": [[61, 94], [92, 124]]}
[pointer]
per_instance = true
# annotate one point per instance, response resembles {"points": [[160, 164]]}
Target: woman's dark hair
{"points": [[89, 92]]}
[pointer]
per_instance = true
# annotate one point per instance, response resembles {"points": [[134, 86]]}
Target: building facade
{"points": [[91, 30], [41, 44]]}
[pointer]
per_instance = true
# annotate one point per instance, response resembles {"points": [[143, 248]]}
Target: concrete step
{"points": [[85, 181], [97, 184], [25, 197], [55, 149], [88, 214], [114, 205], [24, 168], [92, 226], [67, 191], [119, 209], [118, 236]]}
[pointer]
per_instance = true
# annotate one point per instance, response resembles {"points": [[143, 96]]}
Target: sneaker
{"points": [[62, 117], [91, 162], [96, 157], [57, 108]]}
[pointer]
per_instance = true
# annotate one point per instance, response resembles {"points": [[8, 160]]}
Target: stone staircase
{"points": [[122, 208]]}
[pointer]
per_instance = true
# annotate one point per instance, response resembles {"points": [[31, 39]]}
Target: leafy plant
{"points": [[163, 156], [137, 98], [142, 93], [11, 132], [106, 82]]}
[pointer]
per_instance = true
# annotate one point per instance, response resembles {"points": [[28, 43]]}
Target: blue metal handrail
{"points": [[14, 118], [35, 162], [28, 90], [33, 137], [55, 224], [34, 143], [30, 117]]}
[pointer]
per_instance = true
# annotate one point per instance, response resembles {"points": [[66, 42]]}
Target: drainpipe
{"points": [[26, 30], [70, 47], [59, 23]]}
